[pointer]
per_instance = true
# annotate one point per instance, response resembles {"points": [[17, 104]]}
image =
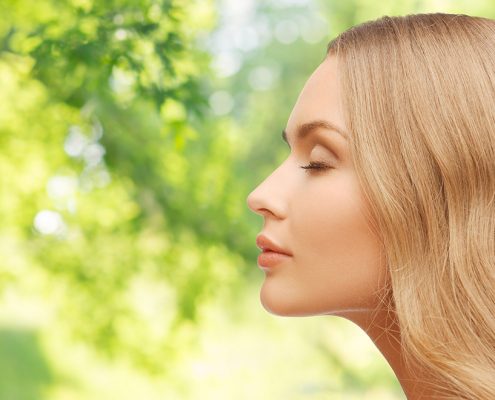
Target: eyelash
{"points": [[315, 166]]}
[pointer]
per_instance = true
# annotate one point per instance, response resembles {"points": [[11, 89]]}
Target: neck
{"points": [[383, 330]]}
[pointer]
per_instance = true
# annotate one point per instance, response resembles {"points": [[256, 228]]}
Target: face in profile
{"points": [[314, 211]]}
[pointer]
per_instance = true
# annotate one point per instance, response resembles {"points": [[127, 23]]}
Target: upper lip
{"points": [[266, 244]]}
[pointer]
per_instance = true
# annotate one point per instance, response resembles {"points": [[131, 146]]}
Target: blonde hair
{"points": [[419, 102]]}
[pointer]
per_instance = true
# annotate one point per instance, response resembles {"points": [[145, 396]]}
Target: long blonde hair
{"points": [[419, 101]]}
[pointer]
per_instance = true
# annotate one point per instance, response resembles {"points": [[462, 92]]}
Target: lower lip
{"points": [[270, 258]]}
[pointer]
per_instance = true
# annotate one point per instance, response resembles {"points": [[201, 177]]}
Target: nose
{"points": [[270, 198]]}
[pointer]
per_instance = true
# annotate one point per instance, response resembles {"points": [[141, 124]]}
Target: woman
{"points": [[384, 213]]}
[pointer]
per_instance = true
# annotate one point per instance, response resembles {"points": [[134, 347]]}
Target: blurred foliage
{"points": [[123, 209], [23, 369], [131, 132]]}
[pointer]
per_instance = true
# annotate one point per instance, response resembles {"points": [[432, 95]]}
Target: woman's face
{"points": [[318, 216]]}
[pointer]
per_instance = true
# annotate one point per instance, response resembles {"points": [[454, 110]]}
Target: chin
{"points": [[277, 308], [283, 304], [275, 303]]}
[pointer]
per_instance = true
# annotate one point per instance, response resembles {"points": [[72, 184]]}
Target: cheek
{"points": [[329, 218]]}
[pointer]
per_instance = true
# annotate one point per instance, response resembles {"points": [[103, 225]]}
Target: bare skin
{"points": [[320, 217]]}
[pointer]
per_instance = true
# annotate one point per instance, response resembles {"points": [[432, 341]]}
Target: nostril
{"points": [[264, 212]]}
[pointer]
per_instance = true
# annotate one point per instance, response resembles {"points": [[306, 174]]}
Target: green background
{"points": [[131, 132]]}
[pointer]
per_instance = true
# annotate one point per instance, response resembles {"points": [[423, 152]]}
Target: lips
{"points": [[266, 245]]}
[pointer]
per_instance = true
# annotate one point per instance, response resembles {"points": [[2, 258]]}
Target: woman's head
{"points": [[417, 98]]}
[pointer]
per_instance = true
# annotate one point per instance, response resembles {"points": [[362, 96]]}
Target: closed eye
{"points": [[315, 166]]}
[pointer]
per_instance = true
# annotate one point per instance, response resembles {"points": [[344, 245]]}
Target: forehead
{"points": [[320, 97]]}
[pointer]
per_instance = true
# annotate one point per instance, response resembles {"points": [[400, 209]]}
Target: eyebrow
{"points": [[305, 129]]}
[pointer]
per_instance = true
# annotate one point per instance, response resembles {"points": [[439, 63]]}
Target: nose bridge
{"points": [[272, 194]]}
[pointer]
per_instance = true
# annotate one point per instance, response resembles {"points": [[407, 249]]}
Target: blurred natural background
{"points": [[131, 132]]}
